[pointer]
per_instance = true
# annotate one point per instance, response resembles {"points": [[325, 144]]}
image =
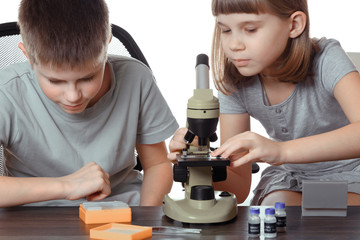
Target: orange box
{"points": [[100, 212], [115, 231]]}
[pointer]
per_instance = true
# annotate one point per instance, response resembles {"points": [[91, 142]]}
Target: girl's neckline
{"points": [[275, 92]]}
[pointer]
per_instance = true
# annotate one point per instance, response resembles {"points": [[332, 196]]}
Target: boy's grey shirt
{"points": [[44, 141], [311, 109]]}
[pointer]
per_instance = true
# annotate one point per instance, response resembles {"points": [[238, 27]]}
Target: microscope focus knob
{"points": [[189, 136], [213, 137], [180, 173], [202, 192], [219, 173]]}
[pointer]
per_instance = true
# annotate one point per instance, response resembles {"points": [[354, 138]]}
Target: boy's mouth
{"points": [[73, 107]]}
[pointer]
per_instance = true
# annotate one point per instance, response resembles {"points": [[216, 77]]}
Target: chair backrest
{"points": [[2, 166], [355, 57], [9, 50], [122, 44]]}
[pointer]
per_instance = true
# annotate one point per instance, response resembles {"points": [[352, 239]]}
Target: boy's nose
{"points": [[73, 94]]}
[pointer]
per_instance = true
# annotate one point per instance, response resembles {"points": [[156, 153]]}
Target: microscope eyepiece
{"points": [[202, 59]]}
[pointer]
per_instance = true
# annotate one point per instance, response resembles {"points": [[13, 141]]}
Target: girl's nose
{"points": [[236, 43]]}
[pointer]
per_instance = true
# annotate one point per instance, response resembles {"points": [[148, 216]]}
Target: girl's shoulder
{"points": [[330, 53], [323, 42], [331, 63], [326, 45]]}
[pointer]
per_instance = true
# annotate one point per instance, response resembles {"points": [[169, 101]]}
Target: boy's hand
{"points": [[91, 181], [250, 147], [177, 143]]}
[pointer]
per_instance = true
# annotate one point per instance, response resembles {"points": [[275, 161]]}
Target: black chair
{"points": [[122, 43]]}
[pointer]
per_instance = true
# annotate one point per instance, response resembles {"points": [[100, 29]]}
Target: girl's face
{"points": [[253, 42]]}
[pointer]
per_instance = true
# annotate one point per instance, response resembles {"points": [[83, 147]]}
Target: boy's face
{"points": [[73, 90]]}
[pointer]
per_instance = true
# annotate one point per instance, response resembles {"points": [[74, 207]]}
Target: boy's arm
{"points": [[158, 177], [90, 181]]}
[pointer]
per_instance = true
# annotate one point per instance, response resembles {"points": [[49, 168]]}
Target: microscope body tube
{"points": [[203, 107], [202, 71]]}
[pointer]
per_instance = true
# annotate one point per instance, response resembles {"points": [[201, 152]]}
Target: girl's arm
{"points": [[238, 179], [342, 143], [90, 181], [158, 177]]}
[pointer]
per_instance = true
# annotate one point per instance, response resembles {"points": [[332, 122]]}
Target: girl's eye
{"points": [[88, 79], [225, 30], [250, 30]]}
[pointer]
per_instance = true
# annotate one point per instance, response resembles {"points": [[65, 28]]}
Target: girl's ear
{"points": [[298, 23], [22, 48]]}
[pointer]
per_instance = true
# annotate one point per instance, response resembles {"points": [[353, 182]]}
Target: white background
{"points": [[172, 33]]}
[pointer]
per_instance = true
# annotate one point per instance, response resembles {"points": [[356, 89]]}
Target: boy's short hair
{"points": [[65, 33]]}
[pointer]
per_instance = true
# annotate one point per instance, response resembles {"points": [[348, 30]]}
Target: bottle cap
{"points": [[269, 211], [254, 210], [280, 205]]}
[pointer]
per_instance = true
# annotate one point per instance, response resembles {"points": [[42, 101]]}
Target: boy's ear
{"points": [[22, 48], [298, 23]]}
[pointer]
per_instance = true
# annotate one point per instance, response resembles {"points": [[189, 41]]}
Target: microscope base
{"points": [[220, 209]]}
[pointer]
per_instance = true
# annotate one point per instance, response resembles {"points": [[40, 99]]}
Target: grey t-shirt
{"points": [[44, 141], [311, 108]]}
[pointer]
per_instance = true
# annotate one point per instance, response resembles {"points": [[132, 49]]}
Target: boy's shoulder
{"points": [[120, 61], [130, 71], [15, 71]]}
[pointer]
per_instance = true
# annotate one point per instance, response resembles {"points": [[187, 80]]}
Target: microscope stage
{"points": [[201, 160]]}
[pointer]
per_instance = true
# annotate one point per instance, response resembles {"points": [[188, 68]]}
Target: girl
{"points": [[305, 92]]}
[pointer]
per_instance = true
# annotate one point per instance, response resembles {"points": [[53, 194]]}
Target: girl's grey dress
{"points": [[311, 109]]}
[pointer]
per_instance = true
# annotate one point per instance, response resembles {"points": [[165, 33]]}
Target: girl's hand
{"points": [[250, 147], [177, 143], [91, 181]]}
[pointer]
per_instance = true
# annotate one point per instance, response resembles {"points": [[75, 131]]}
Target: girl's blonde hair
{"points": [[65, 33], [296, 59]]}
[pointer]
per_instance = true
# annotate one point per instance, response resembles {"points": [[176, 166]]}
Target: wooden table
{"points": [[64, 223]]}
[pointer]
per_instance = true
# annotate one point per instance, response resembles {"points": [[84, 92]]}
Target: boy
{"points": [[71, 119]]}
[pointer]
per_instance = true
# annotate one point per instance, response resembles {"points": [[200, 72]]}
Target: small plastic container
{"points": [[280, 215], [104, 212], [270, 223], [254, 223], [115, 231]]}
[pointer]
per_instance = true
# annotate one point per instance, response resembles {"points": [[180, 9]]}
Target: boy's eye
{"points": [[54, 81]]}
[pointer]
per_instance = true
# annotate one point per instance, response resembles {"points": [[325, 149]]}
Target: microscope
{"points": [[195, 168]]}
